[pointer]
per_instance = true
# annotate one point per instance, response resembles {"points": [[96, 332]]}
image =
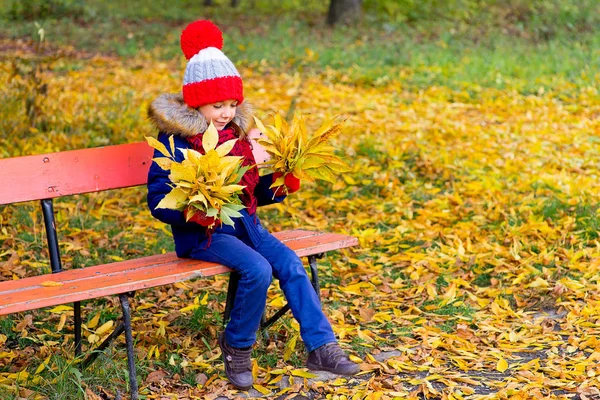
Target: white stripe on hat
{"points": [[209, 53], [208, 69]]}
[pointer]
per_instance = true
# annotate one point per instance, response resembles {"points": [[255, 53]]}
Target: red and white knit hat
{"points": [[210, 77]]}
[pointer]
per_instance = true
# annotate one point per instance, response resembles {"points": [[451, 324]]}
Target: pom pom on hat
{"points": [[198, 36]]}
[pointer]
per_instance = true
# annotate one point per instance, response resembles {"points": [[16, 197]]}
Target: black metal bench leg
{"points": [[314, 274], [234, 278], [264, 325], [133, 384], [314, 279], [77, 315], [92, 357]]}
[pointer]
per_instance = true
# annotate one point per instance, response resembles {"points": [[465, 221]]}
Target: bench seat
{"points": [[137, 274]]}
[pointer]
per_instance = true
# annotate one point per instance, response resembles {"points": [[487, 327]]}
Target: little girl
{"points": [[212, 91]]}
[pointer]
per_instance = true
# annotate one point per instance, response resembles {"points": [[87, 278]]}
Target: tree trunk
{"points": [[208, 2], [343, 11], [235, 3]]}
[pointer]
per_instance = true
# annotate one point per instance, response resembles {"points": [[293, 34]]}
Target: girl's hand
{"points": [[291, 184], [259, 152]]}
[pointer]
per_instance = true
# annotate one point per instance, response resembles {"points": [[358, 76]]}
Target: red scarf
{"points": [[242, 148]]}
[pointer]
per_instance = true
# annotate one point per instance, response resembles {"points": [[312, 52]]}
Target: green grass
{"points": [[483, 280], [197, 323], [441, 282], [405, 331], [63, 375], [514, 46], [298, 358], [7, 324], [200, 319], [553, 208], [266, 359], [189, 378], [450, 309], [108, 314], [587, 220], [14, 340], [171, 364], [499, 61], [7, 394], [358, 346], [448, 326]]}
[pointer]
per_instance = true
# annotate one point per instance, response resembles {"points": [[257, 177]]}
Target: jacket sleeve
{"points": [[265, 195], [159, 186]]}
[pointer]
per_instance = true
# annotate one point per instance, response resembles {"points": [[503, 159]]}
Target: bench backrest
{"points": [[51, 175]]}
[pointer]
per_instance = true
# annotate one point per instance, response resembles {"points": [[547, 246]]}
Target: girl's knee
{"points": [[291, 270], [259, 274]]}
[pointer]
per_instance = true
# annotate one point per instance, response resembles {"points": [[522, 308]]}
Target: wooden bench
{"points": [[48, 176]]}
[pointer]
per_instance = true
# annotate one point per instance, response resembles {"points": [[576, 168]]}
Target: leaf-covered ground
{"points": [[476, 210]]}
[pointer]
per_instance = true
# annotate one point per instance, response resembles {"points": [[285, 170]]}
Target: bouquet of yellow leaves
{"points": [[205, 186], [296, 154]]}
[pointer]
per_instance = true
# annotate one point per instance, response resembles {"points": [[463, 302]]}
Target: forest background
{"points": [[472, 128]]}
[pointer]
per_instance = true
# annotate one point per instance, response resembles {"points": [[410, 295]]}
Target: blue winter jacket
{"points": [[173, 117]]}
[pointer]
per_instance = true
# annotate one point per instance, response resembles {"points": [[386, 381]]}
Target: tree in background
{"points": [[234, 3], [339, 10], [343, 11]]}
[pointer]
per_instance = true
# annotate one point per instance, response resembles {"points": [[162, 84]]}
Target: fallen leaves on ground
{"points": [[477, 213]]}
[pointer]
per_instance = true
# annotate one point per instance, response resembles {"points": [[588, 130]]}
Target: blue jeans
{"points": [[256, 264]]}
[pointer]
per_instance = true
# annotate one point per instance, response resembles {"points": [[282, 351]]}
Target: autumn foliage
{"points": [[297, 155], [476, 208], [204, 185]]}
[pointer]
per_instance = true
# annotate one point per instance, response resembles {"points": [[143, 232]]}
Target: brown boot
{"points": [[330, 357], [238, 366]]}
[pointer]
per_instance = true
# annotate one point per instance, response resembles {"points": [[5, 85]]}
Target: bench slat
{"points": [[295, 234], [321, 243], [108, 283], [65, 173], [120, 277]]}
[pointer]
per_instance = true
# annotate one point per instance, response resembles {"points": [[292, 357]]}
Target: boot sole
{"points": [[316, 367]]}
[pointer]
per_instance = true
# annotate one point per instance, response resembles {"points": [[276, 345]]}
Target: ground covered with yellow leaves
{"points": [[477, 275]]}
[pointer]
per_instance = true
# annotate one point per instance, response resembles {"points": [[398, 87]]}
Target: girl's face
{"points": [[220, 113]]}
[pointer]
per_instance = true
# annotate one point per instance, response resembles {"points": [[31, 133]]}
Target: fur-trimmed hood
{"points": [[169, 114]]}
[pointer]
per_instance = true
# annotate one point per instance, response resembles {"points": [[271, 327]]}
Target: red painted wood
{"points": [[295, 234], [106, 283], [321, 243], [65, 173], [120, 277]]}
